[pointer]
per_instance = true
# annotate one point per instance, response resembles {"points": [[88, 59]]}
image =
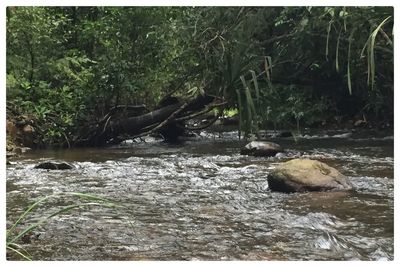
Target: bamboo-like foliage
{"points": [[249, 105], [341, 25], [370, 44]]}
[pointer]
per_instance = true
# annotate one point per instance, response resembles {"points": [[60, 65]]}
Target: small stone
{"points": [[261, 149]]}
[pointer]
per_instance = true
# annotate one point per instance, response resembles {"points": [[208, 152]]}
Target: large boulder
{"points": [[261, 149], [51, 165], [300, 175]]}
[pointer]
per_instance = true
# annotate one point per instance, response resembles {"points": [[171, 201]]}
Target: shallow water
{"points": [[202, 200]]}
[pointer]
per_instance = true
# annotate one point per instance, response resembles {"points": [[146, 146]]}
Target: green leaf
{"points": [[327, 40], [372, 47], [28, 210], [254, 79], [348, 61], [337, 51], [23, 255]]}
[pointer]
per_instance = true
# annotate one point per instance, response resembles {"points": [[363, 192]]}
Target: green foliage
{"points": [[230, 112], [69, 65]]}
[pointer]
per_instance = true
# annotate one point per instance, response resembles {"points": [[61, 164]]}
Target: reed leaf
{"points": [[19, 248], [18, 252], [337, 51], [364, 47], [240, 107], [370, 46], [63, 210], [27, 211], [91, 197], [11, 241], [256, 88], [327, 40], [268, 70], [348, 61], [251, 110], [371, 50], [268, 66], [249, 102], [25, 231], [368, 63]]}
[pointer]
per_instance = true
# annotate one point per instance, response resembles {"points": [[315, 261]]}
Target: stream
{"points": [[202, 200]]}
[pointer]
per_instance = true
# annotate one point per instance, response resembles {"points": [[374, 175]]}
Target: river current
{"points": [[202, 200]]}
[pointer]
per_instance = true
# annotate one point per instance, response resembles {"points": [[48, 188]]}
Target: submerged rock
{"points": [[261, 149], [284, 134], [300, 175], [51, 165], [11, 154]]}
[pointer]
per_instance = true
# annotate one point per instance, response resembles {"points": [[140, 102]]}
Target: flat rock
{"points": [[301, 175], [52, 165], [261, 149]]}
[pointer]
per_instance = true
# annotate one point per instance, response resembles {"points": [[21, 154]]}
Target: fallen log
{"points": [[166, 120]]}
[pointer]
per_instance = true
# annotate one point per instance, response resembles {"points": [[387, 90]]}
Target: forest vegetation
{"points": [[68, 67]]}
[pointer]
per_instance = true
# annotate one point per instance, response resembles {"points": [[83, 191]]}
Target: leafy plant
{"points": [[68, 66]]}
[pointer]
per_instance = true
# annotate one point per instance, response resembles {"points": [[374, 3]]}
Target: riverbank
{"points": [[22, 131]]}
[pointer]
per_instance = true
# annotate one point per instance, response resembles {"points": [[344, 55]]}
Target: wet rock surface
{"points": [[261, 149], [52, 165], [301, 175]]}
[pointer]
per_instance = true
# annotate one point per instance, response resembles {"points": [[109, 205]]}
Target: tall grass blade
{"points": [[66, 209], [91, 197], [19, 253], [25, 231], [372, 47], [337, 51], [348, 61], [364, 47], [254, 79], [268, 70], [19, 248], [10, 241], [28, 210], [44, 220], [268, 66], [228, 72], [240, 112], [250, 108], [327, 40], [368, 63]]}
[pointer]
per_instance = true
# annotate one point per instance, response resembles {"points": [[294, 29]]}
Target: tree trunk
{"points": [[161, 120]]}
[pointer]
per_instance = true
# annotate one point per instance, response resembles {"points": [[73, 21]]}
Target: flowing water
{"points": [[202, 200]]}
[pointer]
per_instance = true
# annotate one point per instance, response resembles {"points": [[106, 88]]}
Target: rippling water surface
{"points": [[202, 200]]}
